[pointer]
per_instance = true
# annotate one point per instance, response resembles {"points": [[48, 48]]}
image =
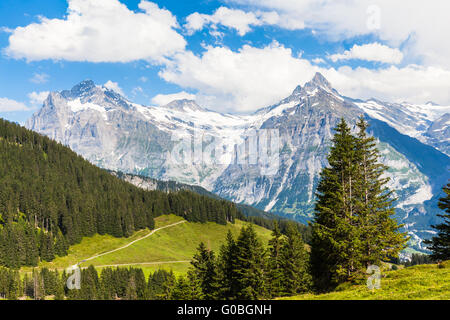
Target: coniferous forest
{"points": [[50, 198], [243, 269]]}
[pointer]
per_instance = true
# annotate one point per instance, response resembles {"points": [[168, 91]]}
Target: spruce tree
{"points": [[182, 290], [440, 244], [228, 278], [275, 273], [249, 266], [205, 272], [294, 263], [353, 225], [380, 236], [334, 237]]}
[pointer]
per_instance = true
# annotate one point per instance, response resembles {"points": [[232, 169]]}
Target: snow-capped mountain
{"points": [[116, 134], [428, 123]]}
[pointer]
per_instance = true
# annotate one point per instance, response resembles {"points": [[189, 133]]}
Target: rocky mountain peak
{"points": [[83, 87], [183, 105], [297, 90], [319, 81]]}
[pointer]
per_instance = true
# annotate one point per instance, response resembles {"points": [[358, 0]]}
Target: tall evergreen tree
{"points": [[380, 236], [205, 272], [294, 263], [275, 272], [440, 244], [249, 266], [228, 278], [353, 225], [334, 237]]}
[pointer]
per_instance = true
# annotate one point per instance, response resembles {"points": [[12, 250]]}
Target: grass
{"points": [[177, 243], [422, 282]]}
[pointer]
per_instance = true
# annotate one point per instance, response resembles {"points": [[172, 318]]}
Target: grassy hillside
{"points": [[51, 198], [177, 243], [419, 282]]}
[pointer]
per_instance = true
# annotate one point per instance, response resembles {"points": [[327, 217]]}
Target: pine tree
{"points": [[353, 225], [182, 290], [275, 273], [380, 234], [249, 266], [440, 244], [228, 278], [204, 270], [334, 237], [294, 263]]}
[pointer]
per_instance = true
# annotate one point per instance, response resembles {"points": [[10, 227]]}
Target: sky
{"points": [[229, 55]]}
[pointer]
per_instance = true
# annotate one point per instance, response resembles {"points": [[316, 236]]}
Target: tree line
{"points": [[243, 269], [51, 198]]}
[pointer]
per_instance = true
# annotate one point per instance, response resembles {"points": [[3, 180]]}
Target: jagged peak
{"points": [[181, 104], [297, 90], [84, 86], [319, 81]]}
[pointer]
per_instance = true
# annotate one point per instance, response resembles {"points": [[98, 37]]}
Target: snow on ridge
{"points": [[77, 106]]}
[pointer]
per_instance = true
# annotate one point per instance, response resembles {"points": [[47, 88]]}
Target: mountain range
{"points": [[112, 132]]}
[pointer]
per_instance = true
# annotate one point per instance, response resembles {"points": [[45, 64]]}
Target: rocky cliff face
{"points": [[187, 143]]}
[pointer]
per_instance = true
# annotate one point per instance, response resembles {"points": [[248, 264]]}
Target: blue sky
{"points": [[231, 56]]}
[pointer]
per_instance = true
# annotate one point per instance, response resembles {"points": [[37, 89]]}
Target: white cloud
{"points": [[8, 105], [251, 78], [114, 86], [421, 27], [163, 99], [39, 78], [99, 31], [239, 81], [38, 98], [318, 60], [239, 20], [413, 83], [231, 18], [370, 52]]}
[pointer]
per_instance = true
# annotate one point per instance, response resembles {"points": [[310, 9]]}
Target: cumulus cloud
{"points": [[8, 105], [99, 31], [114, 86], [421, 26], [163, 99], [239, 20], [239, 81], [370, 52], [236, 19], [413, 83], [251, 78], [38, 98]]}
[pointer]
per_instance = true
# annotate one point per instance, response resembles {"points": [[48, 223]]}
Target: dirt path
{"points": [[131, 243], [140, 263]]}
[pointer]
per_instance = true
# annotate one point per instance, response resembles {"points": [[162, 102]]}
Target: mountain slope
{"points": [[428, 123], [176, 243], [189, 144], [421, 282], [50, 197]]}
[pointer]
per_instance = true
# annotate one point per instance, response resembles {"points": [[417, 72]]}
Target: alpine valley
{"points": [[114, 133]]}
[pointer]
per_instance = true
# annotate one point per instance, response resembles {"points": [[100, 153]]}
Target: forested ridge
{"points": [[50, 198]]}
